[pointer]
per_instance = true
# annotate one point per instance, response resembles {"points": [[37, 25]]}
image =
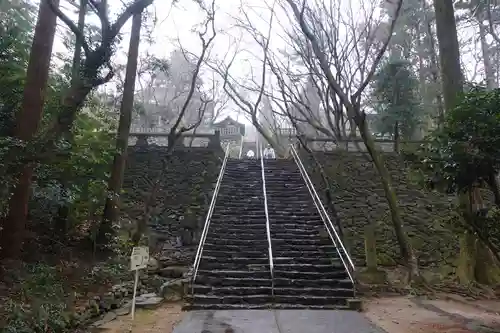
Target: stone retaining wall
{"points": [[184, 193], [359, 198]]}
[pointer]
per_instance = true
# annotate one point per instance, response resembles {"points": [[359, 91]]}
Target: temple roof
{"points": [[228, 121]]}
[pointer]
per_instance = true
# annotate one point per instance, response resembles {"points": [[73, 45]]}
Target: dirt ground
{"points": [[405, 315], [161, 320]]}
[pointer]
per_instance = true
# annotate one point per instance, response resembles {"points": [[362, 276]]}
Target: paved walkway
{"points": [[277, 321]]}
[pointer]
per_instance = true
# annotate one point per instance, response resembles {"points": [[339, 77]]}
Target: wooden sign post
{"points": [[138, 260]]}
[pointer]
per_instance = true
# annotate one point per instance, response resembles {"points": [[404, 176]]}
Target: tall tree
{"points": [[115, 182], [63, 210], [449, 52], [352, 104], [395, 90], [27, 122]]}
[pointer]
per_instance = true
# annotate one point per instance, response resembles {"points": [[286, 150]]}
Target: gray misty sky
{"points": [[175, 24]]}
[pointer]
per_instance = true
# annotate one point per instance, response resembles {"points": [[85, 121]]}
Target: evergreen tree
{"points": [[395, 92]]}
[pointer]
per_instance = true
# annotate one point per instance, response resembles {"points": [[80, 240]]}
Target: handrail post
{"points": [[268, 227], [325, 217], [204, 233], [241, 148]]}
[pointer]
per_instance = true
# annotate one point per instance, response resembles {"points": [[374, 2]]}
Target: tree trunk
{"points": [[405, 247], [396, 137], [489, 71], [27, 122], [77, 55], [435, 71], [449, 52], [61, 220], [493, 185], [111, 208]]}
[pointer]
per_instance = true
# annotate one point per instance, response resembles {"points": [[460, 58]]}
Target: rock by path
{"points": [[160, 320]]}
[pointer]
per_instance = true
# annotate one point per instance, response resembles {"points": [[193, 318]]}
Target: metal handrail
{"points": [[324, 215], [199, 251], [268, 227], [241, 148]]}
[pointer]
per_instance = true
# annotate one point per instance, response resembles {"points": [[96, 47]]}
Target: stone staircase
{"points": [[308, 272], [234, 269]]}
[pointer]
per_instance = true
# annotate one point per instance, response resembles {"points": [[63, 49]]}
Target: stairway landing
{"points": [[276, 321]]}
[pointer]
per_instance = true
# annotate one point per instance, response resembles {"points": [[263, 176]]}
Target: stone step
{"points": [[228, 223], [234, 265], [233, 222], [308, 207], [290, 202], [241, 248], [241, 191], [304, 255], [284, 216], [290, 241], [300, 227], [224, 274], [239, 199], [303, 275], [252, 183], [293, 235], [242, 235], [282, 173], [193, 307], [302, 196], [333, 266], [233, 291], [254, 168], [296, 306], [237, 239], [311, 300], [327, 248], [253, 205], [252, 175], [288, 178], [317, 283], [282, 181], [330, 292], [226, 254], [231, 259], [222, 211], [217, 281], [232, 228], [285, 183], [231, 217], [237, 226], [290, 211], [320, 260], [273, 169], [284, 226], [305, 226], [232, 168], [230, 299]]}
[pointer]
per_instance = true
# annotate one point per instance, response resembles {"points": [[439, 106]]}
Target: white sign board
{"points": [[139, 258]]}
